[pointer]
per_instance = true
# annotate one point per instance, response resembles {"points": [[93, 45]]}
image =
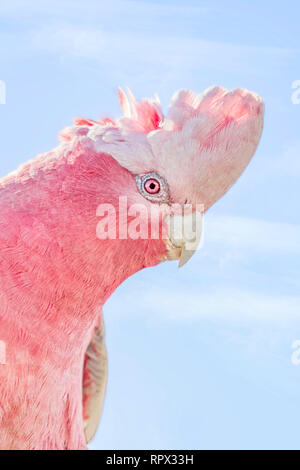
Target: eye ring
{"points": [[153, 187]]}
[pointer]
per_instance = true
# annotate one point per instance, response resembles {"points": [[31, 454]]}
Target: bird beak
{"points": [[184, 234], [185, 256]]}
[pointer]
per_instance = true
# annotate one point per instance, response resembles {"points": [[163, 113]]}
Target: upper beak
{"points": [[185, 233]]}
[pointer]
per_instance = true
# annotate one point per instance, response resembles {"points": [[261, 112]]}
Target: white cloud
{"points": [[189, 303], [169, 50], [133, 39], [187, 294], [252, 234]]}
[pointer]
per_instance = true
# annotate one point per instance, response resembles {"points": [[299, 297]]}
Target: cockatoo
{"points": [[57, 271]]}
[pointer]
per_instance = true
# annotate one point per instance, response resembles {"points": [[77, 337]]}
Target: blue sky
{"points": [[199, 358]]}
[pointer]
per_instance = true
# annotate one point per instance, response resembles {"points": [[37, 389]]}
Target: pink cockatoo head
{"points": [[194, 154], [57, 272]]}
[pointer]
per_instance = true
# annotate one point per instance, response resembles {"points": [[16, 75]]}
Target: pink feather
{"points": [[55, 272]]}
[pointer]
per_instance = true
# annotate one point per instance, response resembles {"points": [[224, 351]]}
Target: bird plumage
{"points": [[55, 272]]}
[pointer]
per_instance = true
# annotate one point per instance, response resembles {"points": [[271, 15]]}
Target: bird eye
{"points": [[153, 187]]}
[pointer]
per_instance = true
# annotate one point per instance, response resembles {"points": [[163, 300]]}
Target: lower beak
{"points": [[185, 233]]}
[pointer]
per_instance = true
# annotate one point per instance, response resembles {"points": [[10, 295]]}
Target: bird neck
{"points": [[55, 274]]}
